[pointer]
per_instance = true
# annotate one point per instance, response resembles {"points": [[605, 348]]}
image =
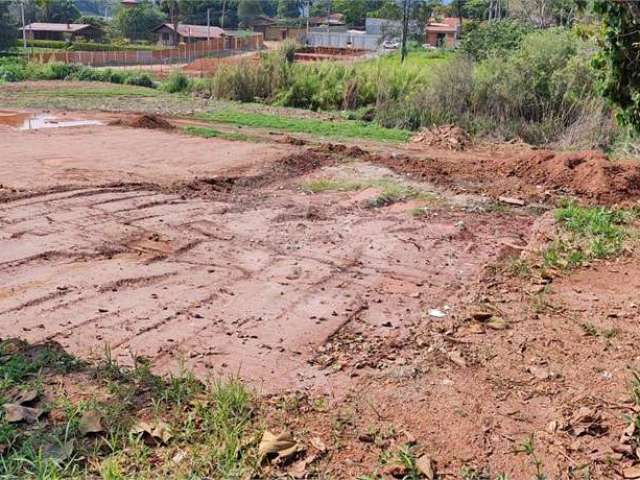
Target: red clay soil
{"points": [[410, 322], [147, 120], [588, 174]]}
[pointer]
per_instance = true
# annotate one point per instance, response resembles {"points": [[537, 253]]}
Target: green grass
{"points": [[392, 190], [214, 426], [345, 129], [117, 91], [206, 132], [586, 234]]}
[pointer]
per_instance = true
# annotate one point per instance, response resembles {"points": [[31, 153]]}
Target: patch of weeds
{"points": [[589, 329], [471, 473], [311, 126], [419, 211], [213, 425], [519, 268], [587, 233], [407, 458], [528, 448], [206, 132], [392, 191]]}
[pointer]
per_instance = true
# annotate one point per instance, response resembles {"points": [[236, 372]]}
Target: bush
{"points": [[176, 82], [140, 80], [83, 46], [493, 38]]}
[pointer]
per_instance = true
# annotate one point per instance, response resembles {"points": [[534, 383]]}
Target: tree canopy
{"points": [[7, 27], [249, 10], [619, 59], [138, 23]]}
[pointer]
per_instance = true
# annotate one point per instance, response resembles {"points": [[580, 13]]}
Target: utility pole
{"points": [[24, 32], [405, 29], [209, 26], [224, 8], [308, 11]]}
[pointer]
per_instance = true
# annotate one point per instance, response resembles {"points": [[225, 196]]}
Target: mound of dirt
{"points": [[147, 120], [586, 173], [445, 136]]}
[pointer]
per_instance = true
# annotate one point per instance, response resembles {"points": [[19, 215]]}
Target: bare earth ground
{"points": [[208, 253]]}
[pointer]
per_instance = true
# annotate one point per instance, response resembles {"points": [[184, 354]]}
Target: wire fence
{"points": [[182, 54]]}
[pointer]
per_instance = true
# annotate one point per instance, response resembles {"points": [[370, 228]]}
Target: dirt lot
{"points": [[215, 254]]}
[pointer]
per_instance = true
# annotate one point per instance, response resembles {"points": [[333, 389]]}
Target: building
{"points": [[61, 31], [444, 33], [186, 33], [129, 3]]}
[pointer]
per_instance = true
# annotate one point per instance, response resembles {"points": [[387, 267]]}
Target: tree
{"points": [[57, 11], [619, 60], [288, 9], [7, 27], [248, 10], [138, 23]]}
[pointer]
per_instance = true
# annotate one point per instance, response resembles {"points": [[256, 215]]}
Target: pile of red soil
{"points": [[589, 173], [445, 136], [145, 121]]}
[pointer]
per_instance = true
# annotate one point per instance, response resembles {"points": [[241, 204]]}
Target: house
{"points": [[444, 33], [260, 24], [129, 3], [60, 31], [186, 33]]}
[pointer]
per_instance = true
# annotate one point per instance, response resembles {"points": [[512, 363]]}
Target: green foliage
{"points": [[176, 82], [333, 129], [15, 70], [8, 29], [619, 59], [493, 38], [249, 10], [288, 8], [58, 11], [83, 46], [138, 23], [587, 233]]}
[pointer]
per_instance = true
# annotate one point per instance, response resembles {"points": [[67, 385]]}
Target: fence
{"points": [[182, 54], [356, 41]]}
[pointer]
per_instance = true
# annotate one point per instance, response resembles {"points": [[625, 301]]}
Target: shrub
{"points": [[141, 80], [176, 82], [493, 38]]}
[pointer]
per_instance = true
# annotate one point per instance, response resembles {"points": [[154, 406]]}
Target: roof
{"points": [[447, 25], [56, 27], [194, 31], [129, 2]]}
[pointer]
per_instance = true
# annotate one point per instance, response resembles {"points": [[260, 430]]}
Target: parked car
{"points": [[391, 44]]}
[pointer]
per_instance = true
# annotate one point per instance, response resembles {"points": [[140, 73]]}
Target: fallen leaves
{"points": [[14, 413], [424, 464], [158, 430], [90, 422], [282, 445]]}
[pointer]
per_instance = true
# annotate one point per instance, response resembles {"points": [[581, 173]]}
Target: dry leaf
{"points": [[318, 444], [457, 358], [158, 430], [91, 422], [631, 472], [539, 372], [14, 413], [424, 464], [283, 445], [497, 323], [24, 396], [299, 468], [58, 452]]}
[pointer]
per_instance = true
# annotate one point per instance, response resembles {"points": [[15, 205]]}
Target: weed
{"points": [[519, 268], [587, 233], [590, 329], [206, 132], [311, 126], [471, 473], [392, 191]]}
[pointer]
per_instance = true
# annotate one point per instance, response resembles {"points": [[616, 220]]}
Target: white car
{"points": [[390, 44]]}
